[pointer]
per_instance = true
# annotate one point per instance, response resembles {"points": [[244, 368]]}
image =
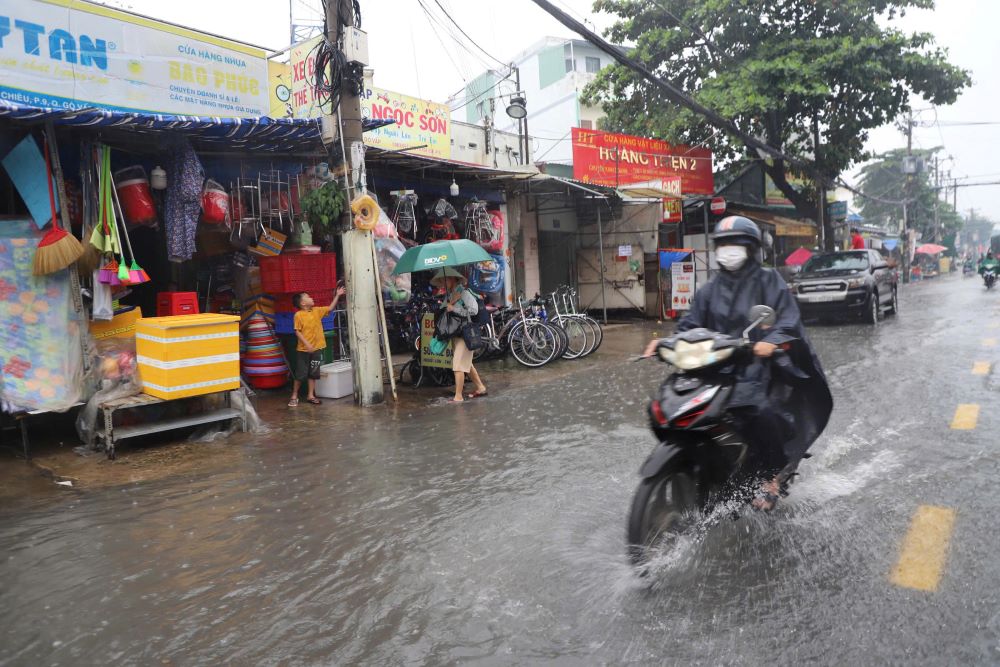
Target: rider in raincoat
{"points": [[782, 407]]}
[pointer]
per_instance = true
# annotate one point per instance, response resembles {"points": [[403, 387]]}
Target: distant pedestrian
{"points": [[461, 302], [857, 240], [311, 343]]}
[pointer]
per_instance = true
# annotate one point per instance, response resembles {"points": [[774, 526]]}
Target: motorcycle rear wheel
{"points": [[662, 507]]}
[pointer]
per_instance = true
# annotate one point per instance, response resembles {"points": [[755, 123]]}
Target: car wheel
{"points": [[894, 304], [871, 316]]}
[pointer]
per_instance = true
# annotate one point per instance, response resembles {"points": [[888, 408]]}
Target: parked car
{"points": [[853, 283]]}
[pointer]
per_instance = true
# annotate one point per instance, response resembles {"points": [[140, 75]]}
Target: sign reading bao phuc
{"points": [[68, 54]]}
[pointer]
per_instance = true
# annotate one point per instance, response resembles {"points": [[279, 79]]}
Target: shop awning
{"points": [[782, 226], [272, 135], [405, 161], [648, 190], [545, 183]]}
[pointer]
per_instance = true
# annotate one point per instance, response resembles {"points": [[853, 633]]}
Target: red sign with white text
{"points": [[616, 160]]}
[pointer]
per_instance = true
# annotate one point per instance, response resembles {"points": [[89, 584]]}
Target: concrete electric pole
{"points": [[906, 194], [359, 262]]}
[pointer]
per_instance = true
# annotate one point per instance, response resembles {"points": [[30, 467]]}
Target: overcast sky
{"points": [[408, 56]]}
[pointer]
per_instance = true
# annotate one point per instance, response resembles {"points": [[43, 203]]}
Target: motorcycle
{"points": [[989, 278], [702, 461], [968, 270]]}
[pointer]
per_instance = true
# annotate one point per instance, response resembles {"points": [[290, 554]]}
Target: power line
{"points": [[680, 97], [438, 3]]}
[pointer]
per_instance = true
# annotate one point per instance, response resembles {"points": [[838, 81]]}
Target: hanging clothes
{"points": [[185, 177]]}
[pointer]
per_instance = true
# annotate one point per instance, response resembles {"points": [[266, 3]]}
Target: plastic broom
{"points": [[58, 248]]}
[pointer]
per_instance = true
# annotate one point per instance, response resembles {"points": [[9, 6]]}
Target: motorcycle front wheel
{"points": [[662, 508]]}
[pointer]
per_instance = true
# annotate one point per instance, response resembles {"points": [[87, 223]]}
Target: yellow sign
{"points": [[414, 122], [64, 54], [428, 358]]}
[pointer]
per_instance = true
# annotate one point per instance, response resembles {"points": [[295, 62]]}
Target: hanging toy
{"points": [[366, 211]]}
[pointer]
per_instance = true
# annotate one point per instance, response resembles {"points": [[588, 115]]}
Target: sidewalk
{"points": [[58, 455]]}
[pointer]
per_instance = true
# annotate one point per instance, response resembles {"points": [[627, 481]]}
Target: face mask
{"points": [[731, 257]]}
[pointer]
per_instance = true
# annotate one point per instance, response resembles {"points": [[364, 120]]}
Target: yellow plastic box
{"points": [[188, 355]]}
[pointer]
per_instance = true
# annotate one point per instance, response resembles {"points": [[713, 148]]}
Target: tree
{"points": [[775, 68], [884, 181]]}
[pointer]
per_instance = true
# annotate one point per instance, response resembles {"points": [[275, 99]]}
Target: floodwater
{"points": [[492, 533]]}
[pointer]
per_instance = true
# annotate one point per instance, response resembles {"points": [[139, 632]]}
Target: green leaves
{"points": [[772, 67], [324, 205]]}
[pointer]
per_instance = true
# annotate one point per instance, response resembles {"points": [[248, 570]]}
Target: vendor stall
{"points": [[150, 215]]}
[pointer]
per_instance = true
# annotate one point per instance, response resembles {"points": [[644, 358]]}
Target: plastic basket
{"points": [[283, 302], [298, 273], [284, 323]]}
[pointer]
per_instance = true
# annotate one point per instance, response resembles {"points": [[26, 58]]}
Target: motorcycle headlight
{"points": [[689, 356], [855, 283]]}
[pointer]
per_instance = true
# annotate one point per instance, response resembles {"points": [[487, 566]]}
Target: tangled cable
{"points": [[333, 75]]}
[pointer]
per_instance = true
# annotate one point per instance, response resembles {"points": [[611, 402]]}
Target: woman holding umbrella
{"points": [[443, 255], [461, 302]]}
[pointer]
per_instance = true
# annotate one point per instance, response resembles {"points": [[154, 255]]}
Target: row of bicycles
{"points": [[537, 332], [541, 330]]}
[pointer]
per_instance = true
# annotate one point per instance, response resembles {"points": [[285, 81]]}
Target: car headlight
{"points": [[855, 283], [689, 356]]}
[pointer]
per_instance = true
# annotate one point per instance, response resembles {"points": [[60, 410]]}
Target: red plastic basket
{"points": [[298, 273]]}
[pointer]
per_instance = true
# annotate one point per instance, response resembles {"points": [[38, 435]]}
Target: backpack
{"points": [[481, 316]]}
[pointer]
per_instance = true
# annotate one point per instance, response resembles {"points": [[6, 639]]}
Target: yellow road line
{"points": [[966, 416], [924, 549], [981, 368], [989, 342]]}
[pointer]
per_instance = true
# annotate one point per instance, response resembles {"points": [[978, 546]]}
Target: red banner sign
{"points": [[617, 160]]}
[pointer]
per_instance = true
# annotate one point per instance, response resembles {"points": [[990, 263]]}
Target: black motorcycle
{"points": [[702, 460], [989, 278]]}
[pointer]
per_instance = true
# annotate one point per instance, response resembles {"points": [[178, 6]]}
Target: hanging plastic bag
{"points": [[102, 307], [385, 228], [395, 288]]}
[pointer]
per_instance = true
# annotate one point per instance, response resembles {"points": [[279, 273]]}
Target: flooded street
{"points": [[493, 532]]}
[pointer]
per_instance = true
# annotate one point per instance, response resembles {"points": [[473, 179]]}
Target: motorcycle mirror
{"points": [[762, 315]]}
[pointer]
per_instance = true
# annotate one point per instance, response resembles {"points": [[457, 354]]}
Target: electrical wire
{"points": [[680, 97], [461, 30]]}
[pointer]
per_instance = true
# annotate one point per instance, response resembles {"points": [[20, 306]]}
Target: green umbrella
{"points": [[439, 254]]}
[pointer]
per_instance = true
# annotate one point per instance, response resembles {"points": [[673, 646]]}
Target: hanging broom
{"points": [[90, 261], [58, 248], [134, 275]]}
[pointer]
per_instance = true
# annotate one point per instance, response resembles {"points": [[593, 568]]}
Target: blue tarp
{"points": [[668, 257], [274, 135], [890, 243]]}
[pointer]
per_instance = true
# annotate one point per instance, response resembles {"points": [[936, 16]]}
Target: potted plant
{"points": [[324, 205]]}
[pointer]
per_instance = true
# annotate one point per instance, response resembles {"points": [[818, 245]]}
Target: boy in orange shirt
{"points": [[309, 352]]}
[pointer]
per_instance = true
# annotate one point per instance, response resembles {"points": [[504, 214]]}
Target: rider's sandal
{"points": [[765, 501]]}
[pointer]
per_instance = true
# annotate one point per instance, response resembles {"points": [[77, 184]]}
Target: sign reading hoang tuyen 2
{"points": [[617, 160], [69, 54]]}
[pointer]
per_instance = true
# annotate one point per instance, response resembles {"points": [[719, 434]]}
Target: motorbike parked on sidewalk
{"points": [[701, 460]]}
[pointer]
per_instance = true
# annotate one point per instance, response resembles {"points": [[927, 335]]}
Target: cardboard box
{"points": [[188, 355]]}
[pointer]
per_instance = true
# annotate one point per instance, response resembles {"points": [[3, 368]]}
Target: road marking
{"points": [[924, 549], [981, 368], [989, 342], [966, 416]]}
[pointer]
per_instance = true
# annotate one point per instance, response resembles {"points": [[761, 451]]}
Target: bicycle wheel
{"points": [[577, 338], [532, 345], [562, 339], [591, 333], [598, 331]]}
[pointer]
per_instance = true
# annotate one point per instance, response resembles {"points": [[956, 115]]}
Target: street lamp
{"points": [[516, 109]]}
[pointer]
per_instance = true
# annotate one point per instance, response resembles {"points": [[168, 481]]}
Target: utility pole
{"points": [[359, 262], [827, 242], [906, 194], [937, 198]]}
